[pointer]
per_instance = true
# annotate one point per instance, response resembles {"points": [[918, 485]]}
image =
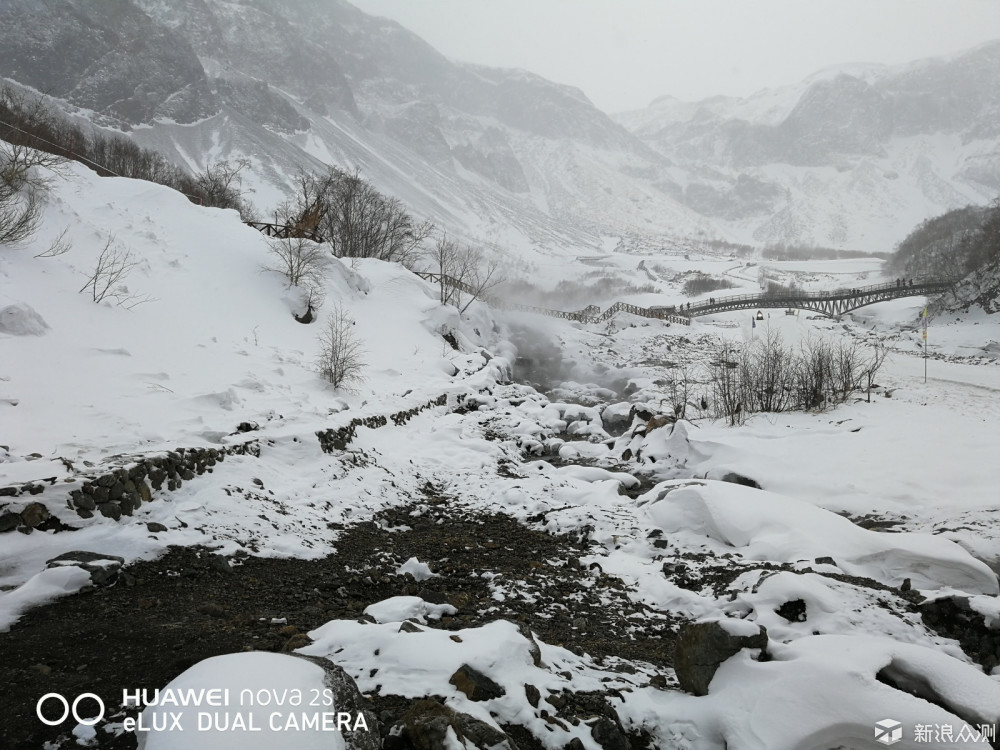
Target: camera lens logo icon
{"points": [[888, 731]]}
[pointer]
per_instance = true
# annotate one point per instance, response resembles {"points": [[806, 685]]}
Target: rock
{"points": [[212, 610], [733, 478], [34, 514], [533, 648], [347, 697], [84, 501], [297, 641], [702, 646], [219, 563], [103, 568], [532, 694], [425, 727], [9, 521], [825, 561], [609, 734], [155, 528], [615, 418], [954, 617], [475, 685], [793, 610], [111, 510]]}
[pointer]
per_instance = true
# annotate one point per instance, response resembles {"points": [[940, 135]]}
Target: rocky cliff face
{"points": [[503, 156], [109, 57], [853, 157]]}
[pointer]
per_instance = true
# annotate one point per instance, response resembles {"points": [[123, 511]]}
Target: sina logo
{"points": [[888, 731]]}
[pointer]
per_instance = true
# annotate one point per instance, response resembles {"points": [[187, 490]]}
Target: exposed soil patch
{"points": [[163, 616]]}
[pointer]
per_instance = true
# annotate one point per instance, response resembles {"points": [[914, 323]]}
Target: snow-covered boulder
{"points": [[702, 646], [763, 525], [22, 320]]}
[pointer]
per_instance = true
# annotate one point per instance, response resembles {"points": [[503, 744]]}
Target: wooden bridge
{"points": [[832, 304]]}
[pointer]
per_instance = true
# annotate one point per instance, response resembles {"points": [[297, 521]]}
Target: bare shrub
{"points": [[59, 246], [340, 356], [107, 281], [302, 262], [20, 212], [766, 376]]}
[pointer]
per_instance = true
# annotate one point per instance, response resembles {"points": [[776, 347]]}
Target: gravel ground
{"points": [[163, 616]]}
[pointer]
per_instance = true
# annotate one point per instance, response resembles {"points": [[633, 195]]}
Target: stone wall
{"points": [[118, 490], [338, 439]]}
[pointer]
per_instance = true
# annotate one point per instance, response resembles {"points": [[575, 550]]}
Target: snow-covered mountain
{"points": [[500, 155], [852, 156]]}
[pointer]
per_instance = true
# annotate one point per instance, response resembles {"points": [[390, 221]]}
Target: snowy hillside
{"points": [[489, 566]]}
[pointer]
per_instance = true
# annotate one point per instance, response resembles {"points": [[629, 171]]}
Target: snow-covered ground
{"points": [[215, 345]]}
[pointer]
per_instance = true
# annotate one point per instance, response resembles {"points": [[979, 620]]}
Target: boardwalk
{"points": [[832, 304]]}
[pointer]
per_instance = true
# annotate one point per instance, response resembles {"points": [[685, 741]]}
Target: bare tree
{"points": [[21, 164], [444, 257], [871, 368], [463, 271], [221, 185], [108, 278], [356, 219], [340, 356]]}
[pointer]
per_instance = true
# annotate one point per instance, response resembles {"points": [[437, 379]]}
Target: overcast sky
{"points": [[625, 53]]}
